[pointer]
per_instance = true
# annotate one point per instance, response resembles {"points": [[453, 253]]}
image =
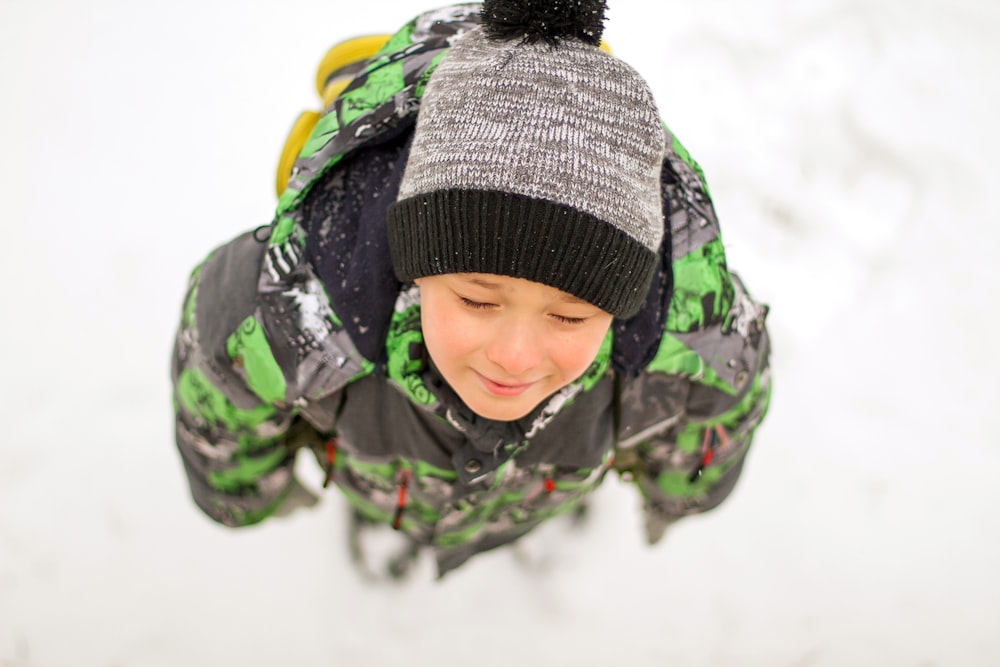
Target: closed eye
{"points": [[569, 320], [475, 305]]}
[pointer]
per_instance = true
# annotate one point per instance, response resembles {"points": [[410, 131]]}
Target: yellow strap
{"points": [[328, 86], [344, 53], [301, 130]]}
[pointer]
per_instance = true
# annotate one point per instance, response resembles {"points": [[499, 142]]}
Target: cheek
{"points": [[446, 333], [573, 354]]}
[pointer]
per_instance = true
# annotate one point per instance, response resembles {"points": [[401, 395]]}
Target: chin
{"points": [[500, 413]]}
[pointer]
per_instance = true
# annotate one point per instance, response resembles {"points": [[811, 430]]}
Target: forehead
{"points": [[498, 283]]}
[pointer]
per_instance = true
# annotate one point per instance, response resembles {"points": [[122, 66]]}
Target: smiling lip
{"points": [[499, 389]]}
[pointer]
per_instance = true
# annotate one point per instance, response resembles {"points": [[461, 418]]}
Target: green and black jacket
{"points": [[297, 336]]}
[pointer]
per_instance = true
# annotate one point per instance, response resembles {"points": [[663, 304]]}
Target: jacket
{"points": [[297, 336]]}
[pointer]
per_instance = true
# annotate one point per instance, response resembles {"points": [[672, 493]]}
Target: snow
{"points": [[850, 148]]}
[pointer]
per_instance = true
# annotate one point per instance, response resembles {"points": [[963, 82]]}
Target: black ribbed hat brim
{"points": [[471, 231]]}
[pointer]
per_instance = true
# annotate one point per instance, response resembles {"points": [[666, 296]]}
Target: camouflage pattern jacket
{"points": [[297, 336]]}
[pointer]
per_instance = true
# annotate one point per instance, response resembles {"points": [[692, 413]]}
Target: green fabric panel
{"points": [[674, 483], [402, 368], [248, 346], [325, 129], [702, 290], [675, 358], [242, 517], [492, 507], [396, 43], [246, 471], [424, 469], [571, 485], [500, 473], [689, 439], [364, 507], [381, 80], [367, 368], [732, 418], [455, 538], [385, 471], [201, 398], [425, 76], [415, 510], [422, 512], [250, 443], [475, 518], [546, 513], [380, 86], [600, 365], [684, 155], [286, 225]]}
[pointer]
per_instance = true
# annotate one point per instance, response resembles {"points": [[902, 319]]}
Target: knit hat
{"points": [[536, 155]]}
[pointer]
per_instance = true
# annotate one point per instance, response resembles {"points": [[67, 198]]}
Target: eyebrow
{"points": [[482, 282]]}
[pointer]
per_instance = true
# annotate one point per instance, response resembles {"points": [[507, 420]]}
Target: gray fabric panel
{"points": [[227, 295], [227, 290]]}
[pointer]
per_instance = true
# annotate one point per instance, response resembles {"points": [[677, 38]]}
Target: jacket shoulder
{"points": [[691, 286], [263, 328]]}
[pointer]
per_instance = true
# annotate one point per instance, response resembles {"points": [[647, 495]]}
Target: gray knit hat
{"points": [[536, 155]]}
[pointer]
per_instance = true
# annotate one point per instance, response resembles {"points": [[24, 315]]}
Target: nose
{"points": [[516, 348]]}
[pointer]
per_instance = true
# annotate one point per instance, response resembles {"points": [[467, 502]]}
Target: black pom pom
{"points": [[549, 20]]}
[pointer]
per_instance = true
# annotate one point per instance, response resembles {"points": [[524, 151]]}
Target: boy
{"points": [[493, 276]]}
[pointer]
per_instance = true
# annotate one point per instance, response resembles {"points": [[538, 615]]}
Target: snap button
{"points": [[741, 378], [472, 466]]}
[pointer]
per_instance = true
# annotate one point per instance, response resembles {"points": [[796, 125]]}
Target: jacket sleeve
{"points": [[231, 418], [686, 423]]}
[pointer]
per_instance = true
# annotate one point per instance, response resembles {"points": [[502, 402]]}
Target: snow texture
{"points": [[851, 149]]}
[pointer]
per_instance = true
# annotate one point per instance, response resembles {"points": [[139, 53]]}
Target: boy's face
{"points": [[506, 344]]}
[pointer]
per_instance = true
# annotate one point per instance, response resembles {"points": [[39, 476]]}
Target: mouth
{"points": [[501, 388]]}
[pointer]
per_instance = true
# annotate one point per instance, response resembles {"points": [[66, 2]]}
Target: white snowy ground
{"points": [[851, 149]]}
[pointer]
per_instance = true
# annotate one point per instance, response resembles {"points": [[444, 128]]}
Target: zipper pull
{"points": [[714, 436], [402, 485], [331, 459]]}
